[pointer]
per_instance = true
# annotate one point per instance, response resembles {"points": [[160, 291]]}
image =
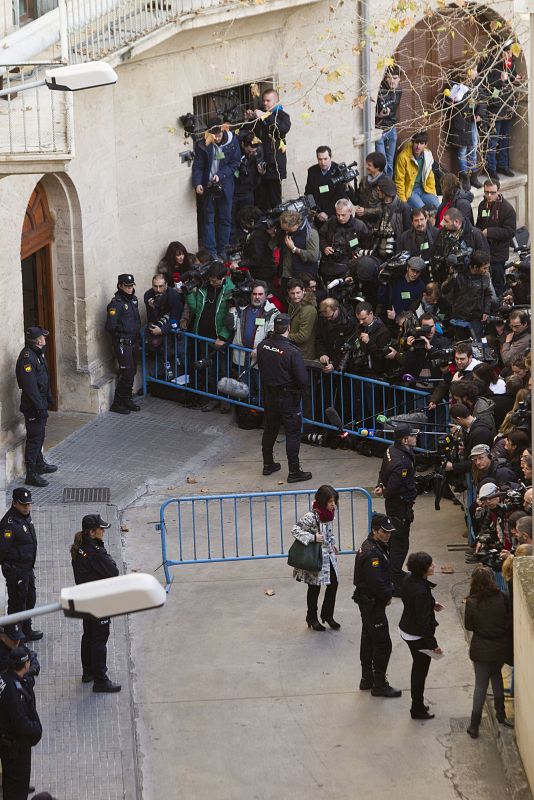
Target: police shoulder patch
{"points": [[27, 367], [112, 312], [8, 534], [375, 562]]}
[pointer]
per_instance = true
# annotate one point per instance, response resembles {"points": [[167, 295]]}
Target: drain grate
{"points": [[461, 724], [87, 495]]}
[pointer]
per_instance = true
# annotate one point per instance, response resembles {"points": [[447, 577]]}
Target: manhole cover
{"points": [[87, 495], [461, 724]]}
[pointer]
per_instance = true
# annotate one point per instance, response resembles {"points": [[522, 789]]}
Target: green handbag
{"points": [[307, 557]]}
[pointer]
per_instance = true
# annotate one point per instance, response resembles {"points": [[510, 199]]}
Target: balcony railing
{"points": [[35, 122]]}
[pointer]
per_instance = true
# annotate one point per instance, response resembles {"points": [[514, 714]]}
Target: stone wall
{"points": [[524, 661]]}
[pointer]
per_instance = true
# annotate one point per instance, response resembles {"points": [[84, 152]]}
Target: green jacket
{"points": [[303, 318], [197, 300]]}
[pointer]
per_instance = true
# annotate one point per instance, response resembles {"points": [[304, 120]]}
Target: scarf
{"points": [[323, 513]]}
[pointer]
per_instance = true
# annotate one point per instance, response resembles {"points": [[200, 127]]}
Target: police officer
{"points": [[91, 562], [34, 383], [283, 379], [124, 323], [373, 593], [18, 550], [396, 483], [20, 726], [10, 638]]}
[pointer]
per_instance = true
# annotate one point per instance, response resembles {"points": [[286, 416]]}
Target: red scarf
{"points": [[323, 513]]}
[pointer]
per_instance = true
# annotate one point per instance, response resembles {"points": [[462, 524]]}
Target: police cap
{"points": [[402, 430], [281, 323], [126, 279], [13, 632], [22, 495], [382, 521], [92, 521], [18, 657], [33, 333]]}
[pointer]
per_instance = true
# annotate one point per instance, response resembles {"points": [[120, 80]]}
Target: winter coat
{"points": [[308, 257], [406, 168], [304, 530], [272, 131], [204, 154], [348, 238], [387, 98], [418, 616], [303, 318], [333, 333], [499, 221], [267, 315], [323, 190], [197, 300], [462, 201], [407, 241], [491, 622], [519, 346], [469, 295]]}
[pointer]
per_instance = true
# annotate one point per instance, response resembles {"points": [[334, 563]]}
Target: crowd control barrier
{"points": [[211, 529], [365, 406]]}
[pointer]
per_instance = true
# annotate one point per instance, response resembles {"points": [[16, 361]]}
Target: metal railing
{"points": [[192, 364], [245, 527], [35, 121]]}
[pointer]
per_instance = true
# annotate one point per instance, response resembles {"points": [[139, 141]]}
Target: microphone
{"points": [[233, 388]]}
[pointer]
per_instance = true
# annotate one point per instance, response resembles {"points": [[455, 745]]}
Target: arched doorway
{"points": [[36, 266]]}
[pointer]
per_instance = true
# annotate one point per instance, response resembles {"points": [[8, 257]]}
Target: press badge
{"points": [[353, 242], [324, 189], [423, 246], [406, 296], [485, 213], [259, 323], [220, 156]]}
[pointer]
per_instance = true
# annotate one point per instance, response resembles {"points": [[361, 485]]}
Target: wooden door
{"points": [[37, 284]]}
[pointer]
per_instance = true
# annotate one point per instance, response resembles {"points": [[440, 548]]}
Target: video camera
{"points": [[243, 282], [304, 204], [394, 267], [195, 278], [523, 413], [345, 292], [343, 173]]}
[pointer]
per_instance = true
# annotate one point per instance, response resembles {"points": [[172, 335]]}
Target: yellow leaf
{"points": [[447, 92], [329, 99], [516, 50], [297, 85], [254, 90], [282, 146], [453, 34], [389, 62], [305, 115], [256, 140], [380, 64], [333, 76], [393, 25], [425, 113]]}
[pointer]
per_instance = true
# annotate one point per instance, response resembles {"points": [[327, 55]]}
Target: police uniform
{"points": [[373, 593], [34, 382], [14, 635], [283, 380], [92, 562], [124, 324], [20, 727], [397, 480], [18, 551]]}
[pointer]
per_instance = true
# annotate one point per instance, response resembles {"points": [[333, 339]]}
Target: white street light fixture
{"points": [[109, 597], [72, 78]]}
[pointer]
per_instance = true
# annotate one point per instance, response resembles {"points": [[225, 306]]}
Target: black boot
{"points": [[33, 478], [366, 682], [381, 687], [465, 183], [274, 466], [131, 405], [44, 467], [475, 723], [297, 474], [474, 181], [314, 623], [500, 712], [118, 408]]}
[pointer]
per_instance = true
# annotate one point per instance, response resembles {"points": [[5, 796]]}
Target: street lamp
{"points": [[71, 78], [109, 597]]}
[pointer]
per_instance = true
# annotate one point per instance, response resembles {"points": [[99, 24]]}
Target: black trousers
{"points": [[281, 407], [16, 769], [35, 436], [269, 194], [420, 665], [20, 592], [329, 600], [375, 643], [127, 356], [399, 544], [94, 650]]}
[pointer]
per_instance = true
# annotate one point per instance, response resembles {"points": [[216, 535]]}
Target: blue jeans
{"points": [[216, 233], [418, 199], [387, 146], [498, 155], [467, 155]]}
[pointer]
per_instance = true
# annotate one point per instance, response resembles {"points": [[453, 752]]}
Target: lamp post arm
{"points": [[23, 88], [20, 616]]}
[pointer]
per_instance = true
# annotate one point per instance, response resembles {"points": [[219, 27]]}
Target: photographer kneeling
{"points": [[469, 293], [164, 308], [340, 238], [336, 328], [402, 293]]}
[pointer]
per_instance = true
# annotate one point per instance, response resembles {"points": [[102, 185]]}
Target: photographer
{"points": [[468, 393], [474, 431], [336, 325], [271, 125], [374, 339], [164, 306], [464, 363], [403, 293], [419, 344], [517, 342], [496, 219], [216, 159], [419, 238], [393, 219], [453, 242], [368, 206], [248, 175], [258, 255], [339, 239], [302, 312], [469, 294], [484, 467], [299, 245], [325, 191], [209, 306]]}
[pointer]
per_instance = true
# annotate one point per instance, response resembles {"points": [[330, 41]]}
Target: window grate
{"points": [[87, 495], [229, 103]]}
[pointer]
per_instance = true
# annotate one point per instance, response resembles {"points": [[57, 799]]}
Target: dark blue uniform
{"points": [[124, 324], [34, 383], [18, 551], [283, 379], [397, 479], [20, 730], [92, 563]]}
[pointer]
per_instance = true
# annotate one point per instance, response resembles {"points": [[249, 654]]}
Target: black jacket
{"points": [[462, 201], [468, 295], [395, 215], [397, 474], [323, 190], [92, 562], [478, 433], [408, 241], [123, 318], [390, 99], [418, 616], [258, 256], [379, 337], [33, 381], [18, 713], [332, 334], [444, 244], [281, 364], [491, 622], [346, 238], [168, 307], [18, 542], [499, 220], [272, 131], [372, 575]]}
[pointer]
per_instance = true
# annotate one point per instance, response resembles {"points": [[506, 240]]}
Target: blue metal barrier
{"points": [[193, 364], [244, 527]]}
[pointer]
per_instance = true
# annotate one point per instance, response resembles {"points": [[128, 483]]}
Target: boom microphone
{"points": [[233, 388]]}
